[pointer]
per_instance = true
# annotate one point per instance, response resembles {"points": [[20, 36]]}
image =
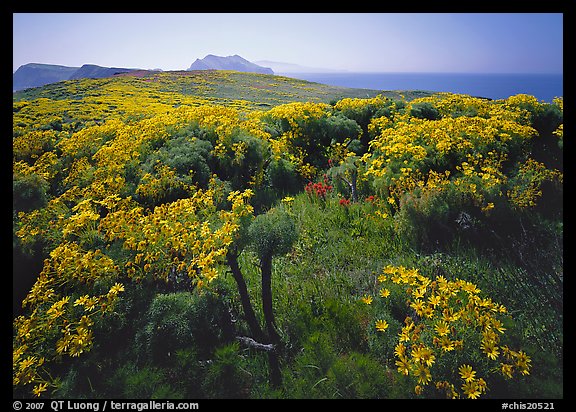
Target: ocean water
{"points": [[494, 86]]}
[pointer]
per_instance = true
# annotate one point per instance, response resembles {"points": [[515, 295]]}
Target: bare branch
{"points": [[256, 345]]}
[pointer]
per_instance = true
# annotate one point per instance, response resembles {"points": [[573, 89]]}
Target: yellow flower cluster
{"points": [[417, 139], [559, 101], [154, 188], [33, 144], [294, 113], [54, 318], [464, 150], [349, 103], [187, 236], [87, 141], [447, 317], [531, 176]]}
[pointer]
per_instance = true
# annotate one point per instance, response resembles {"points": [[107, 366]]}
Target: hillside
{"points": [[220, 234], [92, 71], [36, 75], [197, 87]]}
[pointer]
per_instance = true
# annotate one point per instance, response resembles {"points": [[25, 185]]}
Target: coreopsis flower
{"points": [[381, 325], [422, 372], [117, 288], [434, 300], [423, 355], [490, 349], [367, 299], [471, 389], [446, 344], [467, 373], [507, 370], [403, 366], [38, 389], [523, 362], [442, 328], [400, 350]]}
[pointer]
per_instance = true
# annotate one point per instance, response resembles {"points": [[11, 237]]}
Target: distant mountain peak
{"points": [[39, 74], [235, 62]]}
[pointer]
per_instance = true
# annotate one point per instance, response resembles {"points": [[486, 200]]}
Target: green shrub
{"points": [[425, 110], [185, 155], [131, 382], [29, 192], [281, 175], [272, 233], [179, 320], [225, 378], [359, 376]]}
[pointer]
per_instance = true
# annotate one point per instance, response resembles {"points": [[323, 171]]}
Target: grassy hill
{"points": [[225, 87], [213, 234]]}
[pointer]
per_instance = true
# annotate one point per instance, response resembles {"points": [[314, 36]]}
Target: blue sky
{"points": [[370, 42]]}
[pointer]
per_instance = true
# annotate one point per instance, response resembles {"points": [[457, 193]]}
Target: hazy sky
{"points": [[416, 42]]}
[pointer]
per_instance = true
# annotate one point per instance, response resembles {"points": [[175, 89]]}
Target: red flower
{"points": [[319, 189], [344, 202]]}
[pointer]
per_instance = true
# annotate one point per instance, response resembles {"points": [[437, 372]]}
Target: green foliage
{"points": [[360, 376], [336, 321], [178, 320], [144, 383], [321, 372], [425, 110], [29, 192], [432, 219], [282, 177], [272, 233], [225, 378], [187, 155]]}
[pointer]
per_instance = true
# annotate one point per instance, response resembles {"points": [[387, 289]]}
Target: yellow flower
{"points": [[81, 300], [467, 373], [434, 300], [381, 325], [400, 350], [403, 366], [367, 299], [404, 335], [418, 306], [38, 389], [418, 293], [490, 349], [90, 304], [423, 374], [442, 328], [118, 287], [506, 370], [482, 385], [496, 324], [446, 344], [523, 362], [423, 355], [384, 293], [471, 389]]}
